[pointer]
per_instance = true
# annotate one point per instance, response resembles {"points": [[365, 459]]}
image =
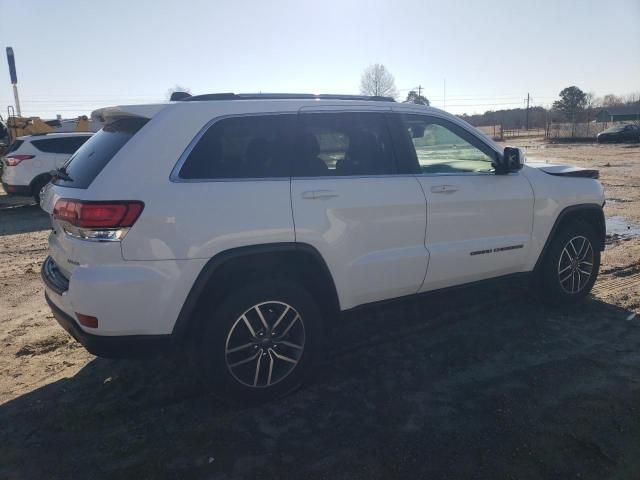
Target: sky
{"points": [[75, 56]]}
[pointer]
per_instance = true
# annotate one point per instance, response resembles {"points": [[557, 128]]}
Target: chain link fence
{"points": [[586, 131]]}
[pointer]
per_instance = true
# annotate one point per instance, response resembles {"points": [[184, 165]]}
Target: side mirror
{"points": [[512, 160]]}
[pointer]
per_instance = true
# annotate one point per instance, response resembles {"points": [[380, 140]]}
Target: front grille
{"points": [[53, 277]]}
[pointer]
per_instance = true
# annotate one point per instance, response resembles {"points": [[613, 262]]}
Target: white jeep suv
{"points": [[27, 164], [240, 226]]}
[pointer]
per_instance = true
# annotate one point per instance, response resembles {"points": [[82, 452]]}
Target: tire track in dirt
{"points": [[617, 284], [617, 278]]}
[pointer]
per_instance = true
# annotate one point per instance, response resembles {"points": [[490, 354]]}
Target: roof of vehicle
{"points": [[149, 110], [54, 135], [269, 102], [185, 97], [304, 99]]}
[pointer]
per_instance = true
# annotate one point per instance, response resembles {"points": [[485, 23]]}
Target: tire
{"points": [[37, 186], [235, 343], [570, 258]]}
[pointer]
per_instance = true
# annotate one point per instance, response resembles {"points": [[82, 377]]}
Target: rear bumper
{"points": [[16, 189], [109, 346], [129, 346]]}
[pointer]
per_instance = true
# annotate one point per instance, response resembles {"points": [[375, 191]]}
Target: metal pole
{"points": [[444, 94], [15, 96]]}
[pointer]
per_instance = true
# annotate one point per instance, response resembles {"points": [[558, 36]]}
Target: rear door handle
{"points": [[444, 189], [308, 195], [319, 194]]}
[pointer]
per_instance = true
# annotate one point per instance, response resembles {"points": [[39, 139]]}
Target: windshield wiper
{"points": [[61, 173]]}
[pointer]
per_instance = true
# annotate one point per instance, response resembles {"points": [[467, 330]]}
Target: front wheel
{"points": [[571, 264], [261, 341]]}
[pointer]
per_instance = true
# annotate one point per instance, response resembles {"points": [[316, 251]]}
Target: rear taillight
{"points": [[13, 160], [97, 214], [102, 221]]}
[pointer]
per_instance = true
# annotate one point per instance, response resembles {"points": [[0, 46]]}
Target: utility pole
{"points": [[14, 78], [527, 122], [419, 91]]}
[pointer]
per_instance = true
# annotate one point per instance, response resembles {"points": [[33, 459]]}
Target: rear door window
{"points": [[344, 144], [242, 147], [89, 160]]}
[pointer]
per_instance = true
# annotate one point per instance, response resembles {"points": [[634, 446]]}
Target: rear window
{"points": [[64, 145], [89, 160], [15, 145]]}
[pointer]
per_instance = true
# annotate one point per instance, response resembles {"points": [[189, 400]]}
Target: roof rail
{"points": [[281, 96]]}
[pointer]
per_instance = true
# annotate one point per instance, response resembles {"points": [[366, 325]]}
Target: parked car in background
{"points": [[262, 217], [620, 133], [4, 135], [27, 165]]}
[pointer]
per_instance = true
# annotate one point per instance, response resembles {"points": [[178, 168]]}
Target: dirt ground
{"points": [[483, 383]]}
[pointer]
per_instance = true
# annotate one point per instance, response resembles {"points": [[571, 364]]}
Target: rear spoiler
{"points": [[109, 114]]}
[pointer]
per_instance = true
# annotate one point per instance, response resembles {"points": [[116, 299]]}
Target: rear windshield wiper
{"points": [[61, 173]]}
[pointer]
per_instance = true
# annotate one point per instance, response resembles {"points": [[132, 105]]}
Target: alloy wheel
{"points": [[575, 265], [265, 344]]}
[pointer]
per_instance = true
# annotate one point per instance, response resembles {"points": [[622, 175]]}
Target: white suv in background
{"points": [[242, 225], [27, 164]]}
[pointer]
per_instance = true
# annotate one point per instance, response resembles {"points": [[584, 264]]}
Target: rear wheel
{"points": [[571, 264], [261, 341], [37, 186]]}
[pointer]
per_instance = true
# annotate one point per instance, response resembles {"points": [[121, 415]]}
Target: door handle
{"points": [[308, 195], [319, 194], [444, 189]]}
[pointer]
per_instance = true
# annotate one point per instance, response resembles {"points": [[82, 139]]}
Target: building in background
{"points": [[623, 113]]}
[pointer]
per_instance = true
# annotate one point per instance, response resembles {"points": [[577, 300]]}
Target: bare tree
{"points": [[632, 98], [612, 100], [177, 88], [377, 81]]}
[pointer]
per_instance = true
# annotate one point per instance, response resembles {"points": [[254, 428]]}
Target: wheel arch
{"points": [[591, 213], [299, 259], [37, 179]]}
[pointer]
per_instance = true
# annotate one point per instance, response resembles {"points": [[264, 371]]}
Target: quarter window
{"points": [[64, 145], [242, 147], [442, 147], [343, 144], [15, 146]]}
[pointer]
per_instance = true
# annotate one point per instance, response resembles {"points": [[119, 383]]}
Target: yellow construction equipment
{"points": [[20, 126]]}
